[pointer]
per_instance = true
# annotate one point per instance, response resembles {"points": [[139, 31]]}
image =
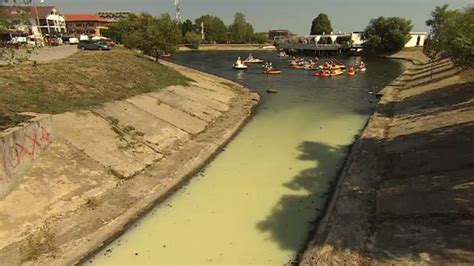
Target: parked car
{"points": [[93, 45], [73, 40], [109, 42], [104, 39]]}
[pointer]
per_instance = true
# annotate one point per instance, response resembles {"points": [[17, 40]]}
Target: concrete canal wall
{"points": [[19, 147], [108, 166], [406, 193]]}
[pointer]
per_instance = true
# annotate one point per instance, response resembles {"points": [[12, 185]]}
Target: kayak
{"points": [[321, 74], [271, 72], [296, 67], [351, 73], [253, 60], [239, 66]]}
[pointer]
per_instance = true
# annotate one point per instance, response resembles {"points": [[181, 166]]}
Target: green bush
{"points": [[387, 35]]}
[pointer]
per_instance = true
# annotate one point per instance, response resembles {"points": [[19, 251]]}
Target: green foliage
{"points": [[214, 28], [151, 35], [321, 24], [452, 35], [260, 37], [241, 31], [9, 55], [188, 26], [387, 34], [193, 39]]}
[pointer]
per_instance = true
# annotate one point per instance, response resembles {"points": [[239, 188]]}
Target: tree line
{"points": [[451, 34], [157, 35], [382, 34]]}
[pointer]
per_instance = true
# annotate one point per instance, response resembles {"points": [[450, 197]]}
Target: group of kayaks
{"points": [[330, 68]]}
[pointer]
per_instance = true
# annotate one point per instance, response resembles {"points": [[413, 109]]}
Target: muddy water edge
{"points": [[257, 201]]}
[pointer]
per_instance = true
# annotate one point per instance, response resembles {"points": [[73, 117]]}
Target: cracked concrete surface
{"points": [[106, 167]]}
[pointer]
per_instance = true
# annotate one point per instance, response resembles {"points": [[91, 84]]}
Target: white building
{"points": [[35, 20], [417, 39]]}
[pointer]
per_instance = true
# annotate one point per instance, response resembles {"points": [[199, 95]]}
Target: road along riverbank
{"points": [[108, 166], [405, 195]]}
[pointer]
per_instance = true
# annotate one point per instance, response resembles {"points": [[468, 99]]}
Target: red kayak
{"points": [[321, 74]]}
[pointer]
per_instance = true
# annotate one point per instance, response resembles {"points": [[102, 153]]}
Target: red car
{"points": [[109, 42]]}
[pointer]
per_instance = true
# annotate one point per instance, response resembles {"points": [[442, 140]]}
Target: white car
{"points": [[73, 40]]}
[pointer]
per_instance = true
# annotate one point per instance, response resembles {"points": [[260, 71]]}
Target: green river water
{"points": [[257, 201]]}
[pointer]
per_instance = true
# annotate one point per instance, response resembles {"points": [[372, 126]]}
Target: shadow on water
{"points": [[285, 223]]}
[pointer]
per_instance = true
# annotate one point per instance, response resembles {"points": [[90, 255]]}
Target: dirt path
{"points": [[406, 194], [108, 166], [47, 54]]}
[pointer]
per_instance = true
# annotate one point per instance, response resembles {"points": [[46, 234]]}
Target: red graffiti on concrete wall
{"points": [[25, 148]]}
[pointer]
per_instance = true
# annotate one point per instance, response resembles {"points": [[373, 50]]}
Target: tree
{"points": [[188, 26], [9, 54], [321, 24], [241, 31], [193, 39], [387, 34], [118, 30], [151, 35], [451, 35], [260, 37], [214, 28]]}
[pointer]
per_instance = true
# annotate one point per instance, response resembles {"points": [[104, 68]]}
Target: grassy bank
{"points": [[82, 81]]}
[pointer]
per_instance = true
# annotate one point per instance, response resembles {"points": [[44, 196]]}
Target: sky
{"points": [[295, 15]]}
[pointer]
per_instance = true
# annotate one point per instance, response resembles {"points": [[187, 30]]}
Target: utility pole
{"points": [[177, 4]]}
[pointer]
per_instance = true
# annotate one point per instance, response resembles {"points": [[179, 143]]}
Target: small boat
{"points": [[336, 72], [296, 67], [271, 72], [321, 74], [251, 59], [282, 54], [361, 67], [272, 91], [239, 65], [351, 71]]}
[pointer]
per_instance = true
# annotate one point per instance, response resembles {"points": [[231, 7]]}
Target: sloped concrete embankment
{"points": [[20, 146], [406, 195], [108, 166]]}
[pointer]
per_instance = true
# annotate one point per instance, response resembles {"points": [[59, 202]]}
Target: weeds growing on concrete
{"points": [[92, 203], [38, 243]]}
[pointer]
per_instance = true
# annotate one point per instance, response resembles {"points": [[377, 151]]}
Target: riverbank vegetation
{"points": [[151, 35], [452, 35], [158, 35], [387, 35], [82, 81]]}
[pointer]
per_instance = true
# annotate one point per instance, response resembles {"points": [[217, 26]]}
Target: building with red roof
{"points": [[34, 20], [85, 24]]}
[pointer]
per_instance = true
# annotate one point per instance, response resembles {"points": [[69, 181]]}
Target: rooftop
{"points": [[26, 11], [84, 17]]}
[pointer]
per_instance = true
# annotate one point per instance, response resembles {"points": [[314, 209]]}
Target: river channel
{"points": [[257, 201]]}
